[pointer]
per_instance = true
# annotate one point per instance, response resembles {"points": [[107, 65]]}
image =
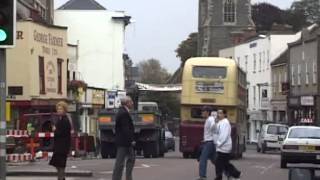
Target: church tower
{"points": [[223, 23]]}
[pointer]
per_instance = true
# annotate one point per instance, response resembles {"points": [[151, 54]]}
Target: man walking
{"points": [[224, 148], [124, 141], [208, 148]]}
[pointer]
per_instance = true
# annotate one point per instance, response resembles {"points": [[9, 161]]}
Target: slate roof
{"points": [[82, 5], [282, 59]]}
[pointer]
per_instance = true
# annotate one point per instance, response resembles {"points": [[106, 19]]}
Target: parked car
{"points": [[170, 141], [271, 137], [301, 145]]}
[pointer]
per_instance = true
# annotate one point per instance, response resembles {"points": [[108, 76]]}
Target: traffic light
{"points": [[7, 23]]}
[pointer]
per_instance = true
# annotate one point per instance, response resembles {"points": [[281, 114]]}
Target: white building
{"points": [[100, 36], [254, 57]]}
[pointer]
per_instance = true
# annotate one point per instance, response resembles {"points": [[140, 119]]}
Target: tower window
{"points": [[229, 11]]}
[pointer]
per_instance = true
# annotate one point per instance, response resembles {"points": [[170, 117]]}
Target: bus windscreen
{"points": [[209, 72]]}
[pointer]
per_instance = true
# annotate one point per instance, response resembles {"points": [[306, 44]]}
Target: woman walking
{"points": [[62, 140]]}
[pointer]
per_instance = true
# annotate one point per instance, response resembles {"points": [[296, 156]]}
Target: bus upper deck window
{"points": [[209, 72]]}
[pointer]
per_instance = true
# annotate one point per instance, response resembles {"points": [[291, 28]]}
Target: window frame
{"points": [[59, 75], [42, 75], [229, 12]]}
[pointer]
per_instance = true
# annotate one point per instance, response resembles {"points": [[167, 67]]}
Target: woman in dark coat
{"points": [[62, 140]]}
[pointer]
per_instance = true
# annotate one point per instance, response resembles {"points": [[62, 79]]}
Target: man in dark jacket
{"points": [[124, 141]]}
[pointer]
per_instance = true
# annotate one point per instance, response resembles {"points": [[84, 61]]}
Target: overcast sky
{"points": [[160, 25]]}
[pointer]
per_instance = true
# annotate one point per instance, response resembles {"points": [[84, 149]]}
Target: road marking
{"points": [[37, 178], [267, 168], [143, 166]]}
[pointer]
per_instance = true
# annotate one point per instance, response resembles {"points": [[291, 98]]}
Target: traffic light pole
{"points": [[3, 132]]}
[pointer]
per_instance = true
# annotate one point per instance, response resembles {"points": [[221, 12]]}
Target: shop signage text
{"points": [[307, 101]]}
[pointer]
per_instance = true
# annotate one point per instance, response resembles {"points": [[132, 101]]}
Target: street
{"points": [[173, 167]]}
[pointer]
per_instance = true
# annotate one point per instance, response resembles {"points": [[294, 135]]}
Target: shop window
{"points": [[42, 81], [264, 93], [60, 76]]}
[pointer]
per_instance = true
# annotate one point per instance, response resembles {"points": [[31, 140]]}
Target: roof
{"points": [[282, 59], [82, 5], [308, 34]]}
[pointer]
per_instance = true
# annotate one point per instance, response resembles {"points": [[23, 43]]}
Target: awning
{"points": [[159, 87]]}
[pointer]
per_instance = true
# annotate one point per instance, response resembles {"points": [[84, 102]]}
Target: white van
{"points": [[271, 137]]}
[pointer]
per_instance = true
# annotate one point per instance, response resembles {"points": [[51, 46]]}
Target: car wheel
{"points": [[263, 148], [258, 148], [283, 164]]}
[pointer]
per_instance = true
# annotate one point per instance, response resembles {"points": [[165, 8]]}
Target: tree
{"points": [[265, 15], [296, 18], [151, 72], [309, 8], [188, 48]]}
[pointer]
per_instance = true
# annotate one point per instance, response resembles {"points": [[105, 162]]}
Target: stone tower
{"points": [[223, 23]]}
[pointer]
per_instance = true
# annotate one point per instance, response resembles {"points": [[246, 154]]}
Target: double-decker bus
{"points": [[221, 84]]}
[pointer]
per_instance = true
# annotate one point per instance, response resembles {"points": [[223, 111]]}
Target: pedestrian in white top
{"points": [[208, 147], [224, 148]]}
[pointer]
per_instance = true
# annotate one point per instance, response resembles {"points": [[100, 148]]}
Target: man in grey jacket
{"points": [[224, 148]]}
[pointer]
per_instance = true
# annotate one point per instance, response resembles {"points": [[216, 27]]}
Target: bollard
{"points": [[301, 174]]}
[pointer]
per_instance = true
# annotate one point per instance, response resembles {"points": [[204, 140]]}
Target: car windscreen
{"points": [[308, 133], [277, 130]]}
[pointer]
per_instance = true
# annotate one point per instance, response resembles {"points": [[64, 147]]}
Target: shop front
{"points": [[302, 110], [36, 70]]}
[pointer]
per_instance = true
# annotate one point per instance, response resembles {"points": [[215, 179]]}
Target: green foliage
{"points": [[151, 72], [188, 48]]}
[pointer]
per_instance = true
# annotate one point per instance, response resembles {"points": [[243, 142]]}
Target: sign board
{"points": [[210, 87], [307, 100]]}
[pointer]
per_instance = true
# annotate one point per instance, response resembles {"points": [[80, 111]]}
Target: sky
{"points": [[160, 25]]}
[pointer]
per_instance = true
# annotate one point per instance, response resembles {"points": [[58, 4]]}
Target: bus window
{"points": [[209, 72]]}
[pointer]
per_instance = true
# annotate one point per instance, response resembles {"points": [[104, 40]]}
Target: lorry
{"points": [[149, 131]]}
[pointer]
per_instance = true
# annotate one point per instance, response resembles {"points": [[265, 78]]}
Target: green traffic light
{"points": [[3, 35]]}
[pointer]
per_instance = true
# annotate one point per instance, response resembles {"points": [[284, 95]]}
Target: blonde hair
{"points": [[62, 104]]}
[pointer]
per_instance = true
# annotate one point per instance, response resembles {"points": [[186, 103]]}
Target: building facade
{"points": [[254, 57], [101, 44], [223, 23], [304, 99], [36, 69], [280, 88], [38, 10]]}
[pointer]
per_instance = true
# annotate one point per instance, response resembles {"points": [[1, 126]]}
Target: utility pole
{"points": [[7, 40], [3, 123]]}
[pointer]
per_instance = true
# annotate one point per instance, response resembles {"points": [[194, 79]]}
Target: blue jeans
{"points": [[208, 153]]}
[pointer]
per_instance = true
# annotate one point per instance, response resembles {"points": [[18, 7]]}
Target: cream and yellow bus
{"points": [[215, 82]]}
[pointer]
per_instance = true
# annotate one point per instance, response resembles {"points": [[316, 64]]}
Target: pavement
{"points": [[254, 166]]}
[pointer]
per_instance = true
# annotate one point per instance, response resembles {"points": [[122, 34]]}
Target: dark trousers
{"points": [[223, 165], [208, 152], [125, 156]]}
